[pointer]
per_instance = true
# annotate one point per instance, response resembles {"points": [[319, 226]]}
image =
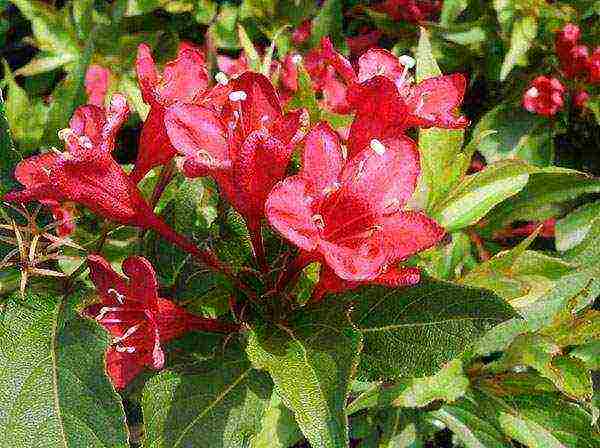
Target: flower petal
{"points": [[379, 62], [147, 73], [407, 233], [363, 259], [288, 209], [109, 284], [435, 102], [184, 78], [382, 176], [291, 127], [97, 79], [89, 121], [143, 285], [322, 160], [123, 367]]}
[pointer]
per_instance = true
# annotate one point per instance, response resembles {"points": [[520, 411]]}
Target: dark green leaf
{"points": [[414, 331], [8, 156], [54, 392], [218, 402], [312, 359], [329, 23]]}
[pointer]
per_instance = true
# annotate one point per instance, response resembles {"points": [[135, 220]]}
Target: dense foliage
{"points": [[275, 224]]}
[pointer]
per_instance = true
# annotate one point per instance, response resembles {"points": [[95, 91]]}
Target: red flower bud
{"points": [[139, 321], [576, 62], [566, 39], [544, 96], [97, 80], [580, 99], [594, 66], [302, 33]]}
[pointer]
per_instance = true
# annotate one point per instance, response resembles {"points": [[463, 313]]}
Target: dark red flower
{"points": [[410, 10], [544, 96], [245, 148], [566, 39], [349, 213], [97, 80], [580, 99], [594, 66], [363, 41], [302, 33], [139, 321], [576, 63], [183, 79]]}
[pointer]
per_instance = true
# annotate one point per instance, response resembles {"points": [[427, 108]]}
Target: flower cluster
{"points": [[346, 208], [545, 95]]}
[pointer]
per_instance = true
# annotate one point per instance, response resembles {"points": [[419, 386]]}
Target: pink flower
{"points": [[246, 147], [97, 80], [349, 214], [410, 10], [139, 321], [233, 67], [183, 79], [363, 41], [566, 39], [302, 33], [544, 96], [580, 99]]}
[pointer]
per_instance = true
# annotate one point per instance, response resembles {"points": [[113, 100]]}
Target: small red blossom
{"points": [[97, 80], [302, 33], [594, 66], [139, 321], [580, 99], [183, 79], [544, 96], [349, 213], [246, 147], [566, 39], [413, 11], [576, 63]]}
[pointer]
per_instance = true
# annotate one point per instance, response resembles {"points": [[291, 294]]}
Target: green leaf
{"points": [[54, 392], [523, 35], [572, 230], [589, 354], [518, 135], [251, 54], [451, 9], [219, 402], [478, 193], [82, 16], [305, 97], [8, 156], [329, 23], [312, 359], [223, 30], [51, 29], [449, 384], [546, 195], [438, 147], [414, 331], [279, 429], [67, 96], [26, 119]]}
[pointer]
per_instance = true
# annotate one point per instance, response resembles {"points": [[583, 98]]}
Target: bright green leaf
{"points": [[571, 230], [329, 23], [523, 35], [279, 429]]}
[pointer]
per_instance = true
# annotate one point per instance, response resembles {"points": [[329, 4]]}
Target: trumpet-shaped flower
{"points": [[139, 321]]}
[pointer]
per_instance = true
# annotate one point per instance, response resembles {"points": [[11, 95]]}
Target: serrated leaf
{"points": [[216, 403], [449, 384], [312, 359], [478, 193], [414, 331], [573, 228], [54, 392], [518, 135], [438, 147], [523, 35]]}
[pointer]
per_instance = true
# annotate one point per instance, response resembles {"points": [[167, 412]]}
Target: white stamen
{"points": [[407, 61], [318, 221], [105, 310], [128, 333], [222, 78], [122, 349], [331, 188], [120, 297], [63, 134], [237, 95], [344, 151], [533, 92], [85, 142], [378, 147], [296, 59]]}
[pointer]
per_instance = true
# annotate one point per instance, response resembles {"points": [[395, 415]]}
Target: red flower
{"points": [[233, 67], [566, 39], [349, 214], [363, 41], [594, 66], [302, 33], [382, 89], [87, 174], [580, 99], [184, 79], [410, 10], [139, 321], [544, 96], [245, 148], [576, 63], [97, 79]]}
